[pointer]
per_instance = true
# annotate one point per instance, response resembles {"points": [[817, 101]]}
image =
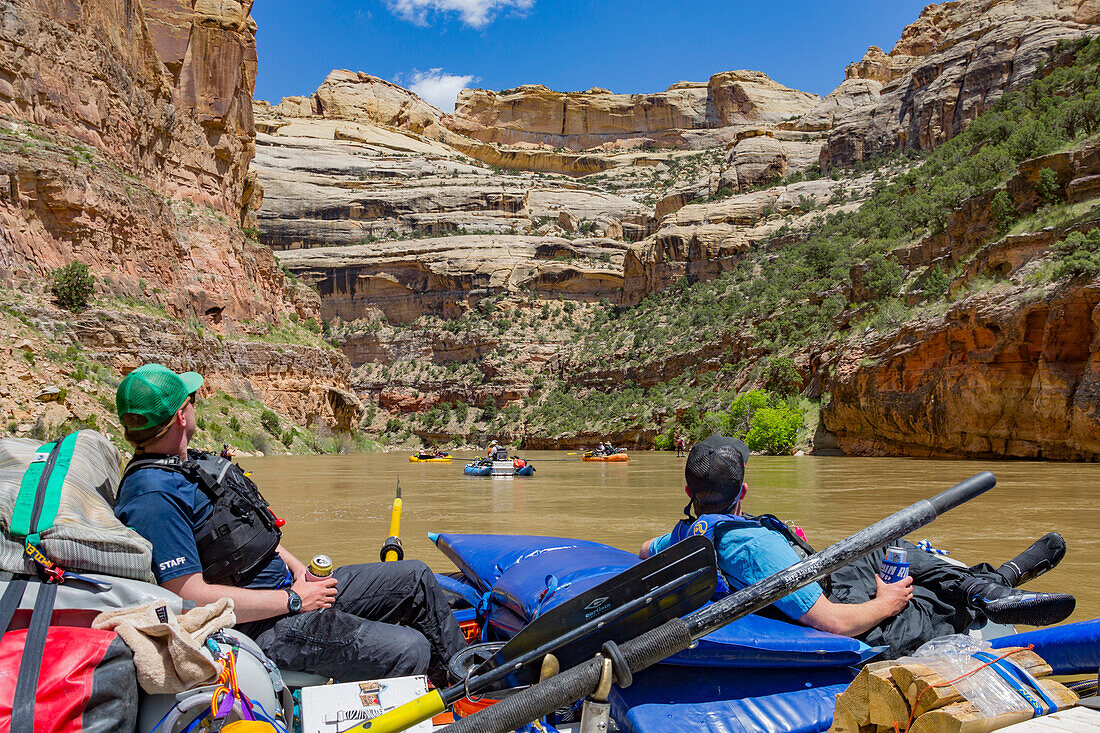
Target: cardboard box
{"points": [[336, 708]]}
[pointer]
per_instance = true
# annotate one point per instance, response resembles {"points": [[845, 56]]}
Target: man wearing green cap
{"points": [[214, 537]]}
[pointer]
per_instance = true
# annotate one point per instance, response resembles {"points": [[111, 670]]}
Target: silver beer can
{"points": [[895, 566]]}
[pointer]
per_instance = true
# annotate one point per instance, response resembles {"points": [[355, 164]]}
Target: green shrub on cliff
{"points": [[1048, 188], [1078, 254], [1004, 211], [73, 285], [936, 283], [781, 376], [270, 422]]}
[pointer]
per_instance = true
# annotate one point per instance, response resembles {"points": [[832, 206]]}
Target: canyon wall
{"points": [[1010, 373], [581, 120], [445, 277], [125, 144], [949, 66]]}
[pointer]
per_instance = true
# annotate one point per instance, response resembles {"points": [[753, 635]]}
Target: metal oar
{"points": [[678, 634]]}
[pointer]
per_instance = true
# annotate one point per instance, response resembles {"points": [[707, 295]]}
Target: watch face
{"points": [[294, 602]]}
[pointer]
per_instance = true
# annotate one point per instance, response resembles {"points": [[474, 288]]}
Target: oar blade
{"points": [[670, 584]]}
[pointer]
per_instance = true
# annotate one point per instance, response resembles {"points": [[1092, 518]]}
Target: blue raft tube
{"points": [[758, 673]]}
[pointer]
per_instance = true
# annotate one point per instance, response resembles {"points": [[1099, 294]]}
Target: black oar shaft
{"points": [[678, 634], [477, 683]]}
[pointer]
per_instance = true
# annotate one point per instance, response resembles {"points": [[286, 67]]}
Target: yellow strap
{"points": [[404, 716]]}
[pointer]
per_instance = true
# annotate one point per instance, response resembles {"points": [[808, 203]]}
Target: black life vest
{"points": [[239, 537]]}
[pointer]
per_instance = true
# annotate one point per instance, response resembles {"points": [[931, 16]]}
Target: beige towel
{"points": [[168, 649]]}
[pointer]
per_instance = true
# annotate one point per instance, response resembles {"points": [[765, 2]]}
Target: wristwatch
{"points": [[293, 602]]}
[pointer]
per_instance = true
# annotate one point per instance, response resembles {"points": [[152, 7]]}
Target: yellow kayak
{"points": [[433, 459], [613, 458]]}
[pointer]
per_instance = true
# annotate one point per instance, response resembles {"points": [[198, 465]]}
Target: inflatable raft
{"points": [[613, 458], [428, 458], [759, 673], [485, 467]]}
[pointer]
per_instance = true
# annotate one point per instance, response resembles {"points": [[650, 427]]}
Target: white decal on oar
{"points": [[598, 605]]}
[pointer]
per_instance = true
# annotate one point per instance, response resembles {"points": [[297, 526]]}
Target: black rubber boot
{"points": [[1004, 605], [1042, 556]]}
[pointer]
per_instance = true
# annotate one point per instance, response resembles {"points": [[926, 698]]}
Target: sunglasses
{"points": [[193, 398]]}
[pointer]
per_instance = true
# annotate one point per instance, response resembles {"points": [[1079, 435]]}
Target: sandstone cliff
{"points": [[126, 145], [949, 66], [471, 299], [581, 120], [1010, 372], [446, 277]]}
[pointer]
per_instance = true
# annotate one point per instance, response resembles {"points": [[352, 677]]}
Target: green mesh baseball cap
{"points": [[151, 394]]}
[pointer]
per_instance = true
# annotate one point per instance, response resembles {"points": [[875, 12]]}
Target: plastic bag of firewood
{"points": [[950, 685]]}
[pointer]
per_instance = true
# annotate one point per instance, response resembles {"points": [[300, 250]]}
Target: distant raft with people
{"points": [[619, 456], [509, 467], [430, 457]]}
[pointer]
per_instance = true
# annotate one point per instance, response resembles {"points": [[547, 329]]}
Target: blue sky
{"points": [[438, 46]]}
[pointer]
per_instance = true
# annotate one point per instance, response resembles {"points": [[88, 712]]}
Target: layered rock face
{"points": [[949, 66], [349, 95], [126, 146], [1011, 373], [703, 240], [446, 277], [163, 90], [581, 120], [339, 182], [123, 129], [997, 376]]}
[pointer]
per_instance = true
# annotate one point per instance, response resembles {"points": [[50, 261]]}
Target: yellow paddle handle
{"points": [[395, 527], [404, 716]]}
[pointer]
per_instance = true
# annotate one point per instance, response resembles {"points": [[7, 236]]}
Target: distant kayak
{"points": [[613, 458]]}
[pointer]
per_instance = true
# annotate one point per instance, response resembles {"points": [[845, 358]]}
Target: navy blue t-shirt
{"points": [[167, 509]]}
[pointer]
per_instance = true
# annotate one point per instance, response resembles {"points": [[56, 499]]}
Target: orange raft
{"points": [[613, 458]]}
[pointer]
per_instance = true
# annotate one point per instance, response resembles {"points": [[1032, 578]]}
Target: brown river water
{"points": [[340, 505]]}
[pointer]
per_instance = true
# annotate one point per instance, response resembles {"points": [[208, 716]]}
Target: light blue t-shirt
{"points": [[749, 553]]}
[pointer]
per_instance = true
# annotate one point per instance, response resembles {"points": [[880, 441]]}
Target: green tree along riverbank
{"points": [[803, 291]]}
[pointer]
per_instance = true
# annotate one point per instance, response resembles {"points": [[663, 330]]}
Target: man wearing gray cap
{"points": [[937, 598]]}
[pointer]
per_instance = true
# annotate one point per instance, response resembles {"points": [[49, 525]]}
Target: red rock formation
{"points": [[125, 144], [1013, 373], [996, 377], [93, 71]]}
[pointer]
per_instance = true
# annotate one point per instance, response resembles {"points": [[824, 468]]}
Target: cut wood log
{"points": [[844, 720], [964, 717], [887, 704], [925, 690], [857, 697]]}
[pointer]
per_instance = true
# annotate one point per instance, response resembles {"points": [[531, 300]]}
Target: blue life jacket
{"points": [[708, 523]]}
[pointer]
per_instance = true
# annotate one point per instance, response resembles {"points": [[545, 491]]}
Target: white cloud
{"points": [[438, 88], [475, 13]]}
